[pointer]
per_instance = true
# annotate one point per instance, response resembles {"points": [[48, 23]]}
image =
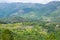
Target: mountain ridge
{"points": [[31, 11]]}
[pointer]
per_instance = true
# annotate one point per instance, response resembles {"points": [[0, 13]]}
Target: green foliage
{"points": [[27, 21], [30, 31], [7, 35]]}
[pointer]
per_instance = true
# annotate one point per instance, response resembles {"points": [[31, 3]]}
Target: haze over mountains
{"points": [[30, 11]]}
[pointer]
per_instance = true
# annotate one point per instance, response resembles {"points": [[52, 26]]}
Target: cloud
{"points": [[33, 1], [28, 1]]}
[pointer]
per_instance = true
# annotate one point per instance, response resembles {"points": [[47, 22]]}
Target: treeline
{"points": [[16, 20], [11, 20]]}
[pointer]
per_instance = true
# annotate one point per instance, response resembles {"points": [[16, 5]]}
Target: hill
{"points": [[30, 11]]}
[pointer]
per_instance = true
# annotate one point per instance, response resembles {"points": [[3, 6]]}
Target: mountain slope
{"points": [[30, 11]]}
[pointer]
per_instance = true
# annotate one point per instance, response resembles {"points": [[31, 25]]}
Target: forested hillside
{"points": [[30, 11]]}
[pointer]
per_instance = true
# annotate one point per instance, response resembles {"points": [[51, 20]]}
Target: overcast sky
{"points": [[28, 1]]}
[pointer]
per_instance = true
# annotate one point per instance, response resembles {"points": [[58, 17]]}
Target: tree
{"points": [[7, 35]]}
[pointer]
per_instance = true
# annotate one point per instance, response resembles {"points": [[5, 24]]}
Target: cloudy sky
{"points": [[28, 1]]}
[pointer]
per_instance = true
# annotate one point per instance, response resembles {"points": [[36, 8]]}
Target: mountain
{"points": [[30, 11]]}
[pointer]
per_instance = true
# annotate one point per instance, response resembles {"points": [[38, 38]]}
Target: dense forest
{"points": [[30, 31]]}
